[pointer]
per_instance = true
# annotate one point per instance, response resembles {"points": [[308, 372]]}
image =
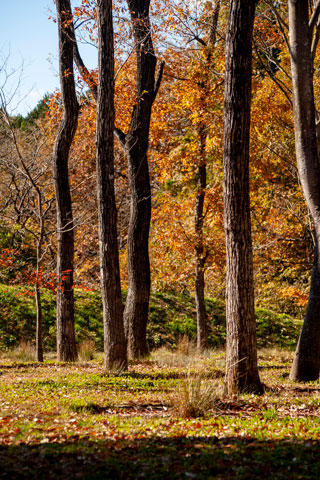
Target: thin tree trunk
{"points": [[135, 144], [66, 344], [200, 254], [39, 348], [241, 350], [115, 347], [202, 321], [306, 364]]}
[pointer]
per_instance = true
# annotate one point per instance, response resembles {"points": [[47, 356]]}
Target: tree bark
{"points": [[66, 344], [115, 347], [306, 364], [202, 321], [135, 144], [39, 348], [241, 350], [200, 254]]}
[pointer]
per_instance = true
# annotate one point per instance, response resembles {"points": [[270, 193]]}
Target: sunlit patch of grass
{"points": [[270, 414], [274, 356], [87, 407], [167, 357]]}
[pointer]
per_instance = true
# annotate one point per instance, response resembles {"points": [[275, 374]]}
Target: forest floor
{"points": [[64, 421]]}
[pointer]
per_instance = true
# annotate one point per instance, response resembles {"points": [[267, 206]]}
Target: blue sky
{"points": [[28, 37]]}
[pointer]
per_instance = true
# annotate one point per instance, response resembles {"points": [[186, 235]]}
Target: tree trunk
{"points": [[139, 283], [306, 364], [39, 349], [66, 344], [200, 254], [135, 144], [241, 350], [202, 321], [115, 347]]}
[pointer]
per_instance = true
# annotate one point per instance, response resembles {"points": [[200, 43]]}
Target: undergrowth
{"points": [[172, 317]]}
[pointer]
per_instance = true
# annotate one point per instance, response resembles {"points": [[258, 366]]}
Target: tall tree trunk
{"points": [[241, 353], [66, 344], [202, 321], [39, 348], [135, 144], [306, 364], [115, 347], [200, 253]]}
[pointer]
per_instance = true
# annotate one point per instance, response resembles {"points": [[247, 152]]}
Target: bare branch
{"points": [[158, 78], [314, 18], [120, 136], [214, 24], [84, 72]]}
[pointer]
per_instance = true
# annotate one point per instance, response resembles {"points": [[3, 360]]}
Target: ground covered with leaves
{"points": [[165, 418]]}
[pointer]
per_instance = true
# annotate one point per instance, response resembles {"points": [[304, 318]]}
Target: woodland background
{"points": [[188, 108], [169, 414]]}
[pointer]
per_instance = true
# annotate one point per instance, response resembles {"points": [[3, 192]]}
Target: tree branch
{"points": [[120, 136], [84, 72], [158, 79], [314, 17], [214, 24], [198, 39]]}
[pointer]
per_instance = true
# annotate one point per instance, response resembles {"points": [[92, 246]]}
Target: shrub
{"points": [[172, 317]]}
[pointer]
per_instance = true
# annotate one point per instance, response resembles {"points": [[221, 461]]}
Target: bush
{"points": [[172, 317], [274, 329], [18, 317]]}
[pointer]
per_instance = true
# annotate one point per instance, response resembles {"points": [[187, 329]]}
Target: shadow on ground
{"points": [[159, 458]]}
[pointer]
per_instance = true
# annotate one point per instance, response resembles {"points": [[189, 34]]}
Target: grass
{"points": [[24, 352], [71, 421], [87, 349], [196, 396]]}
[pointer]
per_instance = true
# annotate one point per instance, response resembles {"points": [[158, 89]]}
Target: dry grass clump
{"points": [[166, 357], [185, 346], [184, 355], [25, 352], [195, 396], [3, 354], [87, 350]]}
